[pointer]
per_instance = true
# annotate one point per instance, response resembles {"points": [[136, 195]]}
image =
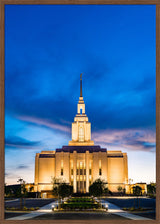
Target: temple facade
{"points": [[81, 162]]}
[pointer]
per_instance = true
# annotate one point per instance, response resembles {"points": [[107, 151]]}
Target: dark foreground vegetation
{"points": [[80, 203]]}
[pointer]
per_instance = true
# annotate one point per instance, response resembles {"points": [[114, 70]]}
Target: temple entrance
{"points": [[81, 186], [81, 177]]}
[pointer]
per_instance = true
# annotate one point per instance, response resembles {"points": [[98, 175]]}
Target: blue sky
{"points": [[46, 49]]}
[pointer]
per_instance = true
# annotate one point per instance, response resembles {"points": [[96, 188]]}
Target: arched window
{"points": [[80, 110], [81, 134]]}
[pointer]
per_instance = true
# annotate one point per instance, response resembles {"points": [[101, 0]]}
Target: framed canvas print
{"points": [[80, 102]]}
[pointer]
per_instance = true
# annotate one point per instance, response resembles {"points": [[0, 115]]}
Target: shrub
{"points": [[32, 209], [80, 203], [132, 209], [12, 208], [25, 208]]}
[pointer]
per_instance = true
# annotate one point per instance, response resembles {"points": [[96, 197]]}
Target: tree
{"points": [[8, 191], [21, 192], [97, 188], [61, 189], [65, 190], [137, 191], [151, 189]]}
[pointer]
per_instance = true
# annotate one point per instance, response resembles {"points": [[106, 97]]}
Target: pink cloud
{"points": [[131, 139], [45, 123]]}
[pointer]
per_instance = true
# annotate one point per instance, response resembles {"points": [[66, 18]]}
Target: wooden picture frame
{"points": [[2, 103]]}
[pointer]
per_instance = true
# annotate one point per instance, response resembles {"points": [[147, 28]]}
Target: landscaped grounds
{"points": [[80, 204]]}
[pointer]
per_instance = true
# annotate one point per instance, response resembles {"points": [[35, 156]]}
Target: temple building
{"points": [[81, 162]]}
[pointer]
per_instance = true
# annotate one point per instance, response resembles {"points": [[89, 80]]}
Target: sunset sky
{"points": [[46, 49]]}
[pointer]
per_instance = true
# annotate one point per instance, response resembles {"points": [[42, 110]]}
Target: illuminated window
{"points": [[100, 168], [81, 134], [61, 167], [77, 171], [77, 164], [90, 166], [81, 164]]}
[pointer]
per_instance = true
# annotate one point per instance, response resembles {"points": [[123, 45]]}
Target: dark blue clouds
{"points": [[22, 166], [114, 47], [17, 142]]}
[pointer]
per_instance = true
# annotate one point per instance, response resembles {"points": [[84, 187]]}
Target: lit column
{"points": [[74, 171], [36, 180], [87, 171]]}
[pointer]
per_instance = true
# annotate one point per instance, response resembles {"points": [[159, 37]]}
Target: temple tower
{"points": [[81, 128]]}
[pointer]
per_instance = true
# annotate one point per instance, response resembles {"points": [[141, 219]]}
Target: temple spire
{"points": [[81, 85]]}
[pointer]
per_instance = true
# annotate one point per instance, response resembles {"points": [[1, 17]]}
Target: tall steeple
{"points": [[81, 85], [81, 105], [81, 128]]}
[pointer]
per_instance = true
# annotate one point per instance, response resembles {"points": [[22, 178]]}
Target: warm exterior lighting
{"points": [[100, 167], [71, 162], [100, 164], [82, 161], [81, 165], [81, 134], [61, 167]]}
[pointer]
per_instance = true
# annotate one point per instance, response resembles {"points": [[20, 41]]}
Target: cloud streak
{"points": [[45, 123], [129, 139], [17, 142], [22, 166]]}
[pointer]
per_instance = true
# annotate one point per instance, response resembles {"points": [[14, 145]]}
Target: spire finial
{"points": [[81, 84]]}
